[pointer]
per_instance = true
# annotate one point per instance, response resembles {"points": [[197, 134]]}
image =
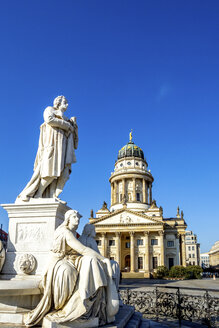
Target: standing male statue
{"points": [[52, 167]]}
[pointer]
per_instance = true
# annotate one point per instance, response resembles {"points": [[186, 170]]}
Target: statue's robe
{"points": [[75, 287]]}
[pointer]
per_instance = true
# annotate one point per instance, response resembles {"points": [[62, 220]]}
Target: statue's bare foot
{"points": [[60, 201]]}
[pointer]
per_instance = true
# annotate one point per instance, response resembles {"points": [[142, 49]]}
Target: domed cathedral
{"points": [[133, 231]]}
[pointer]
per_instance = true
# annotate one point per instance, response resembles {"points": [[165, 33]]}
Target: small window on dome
{"points": [[129, 163], [136, 163], [121, 164], [129, 152]]}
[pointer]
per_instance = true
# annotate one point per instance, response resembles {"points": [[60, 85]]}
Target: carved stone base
{"points": [[75, 324], [31, 229], [121, 320], [16, 298]]}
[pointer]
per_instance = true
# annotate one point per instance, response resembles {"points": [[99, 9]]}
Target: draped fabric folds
{"points": [[75, 287]]}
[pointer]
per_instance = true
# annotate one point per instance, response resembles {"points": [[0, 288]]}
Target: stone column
{"points": [[134, 190], [123, 188], [144, 191], [147, 255], [161, 234], [104, 246], [115, 192], [178, 256], [118, 248], [150, 193], [132, 250], [183, 251], [112, 193]]}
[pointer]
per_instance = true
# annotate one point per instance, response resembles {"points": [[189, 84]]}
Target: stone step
{"points": [[122, 317], [129, 275], [134, 321], [145, 323]]}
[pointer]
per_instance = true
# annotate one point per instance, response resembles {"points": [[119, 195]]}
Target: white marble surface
{"points": [[19, 287], [31, 230], [90, 323]]}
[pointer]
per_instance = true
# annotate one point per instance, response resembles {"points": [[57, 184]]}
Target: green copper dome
{"points": [[130, 150]]}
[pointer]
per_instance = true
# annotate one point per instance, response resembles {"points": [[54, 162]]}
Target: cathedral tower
{"points": [[131, 182]]}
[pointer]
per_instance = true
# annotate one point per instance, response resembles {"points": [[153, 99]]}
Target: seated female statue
{"points": [[88, 239], [78, 281]]}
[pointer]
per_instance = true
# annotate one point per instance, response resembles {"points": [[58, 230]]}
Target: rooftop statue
{"points": [[57, 142], [78, 282], [130, 136]]}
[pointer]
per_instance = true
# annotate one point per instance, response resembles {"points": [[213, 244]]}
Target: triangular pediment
{"points": [[125, 217]]}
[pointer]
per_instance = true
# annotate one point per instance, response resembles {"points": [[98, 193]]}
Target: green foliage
{"points": [[189, 272], [193, 272], [162, 271], [177, 271]]}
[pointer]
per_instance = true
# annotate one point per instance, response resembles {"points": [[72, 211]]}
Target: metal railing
{"points": [[181, 303]]}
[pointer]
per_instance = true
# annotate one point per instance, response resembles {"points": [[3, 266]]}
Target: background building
{"points": [[204, 257], [192, 249], [133, 231], [214, 255]]}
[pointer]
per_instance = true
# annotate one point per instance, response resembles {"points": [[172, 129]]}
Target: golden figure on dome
{"points": [[130, 136]]}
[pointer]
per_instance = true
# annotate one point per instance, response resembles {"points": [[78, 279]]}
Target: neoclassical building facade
{"points": [[214, 254], [133, 231]]}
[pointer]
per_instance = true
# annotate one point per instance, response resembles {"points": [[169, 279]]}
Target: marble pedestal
{"points": [[17, 297], [31, 231]]}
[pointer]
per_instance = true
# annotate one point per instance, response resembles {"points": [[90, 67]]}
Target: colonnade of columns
{"points": [[132, 249], [146, 191]]}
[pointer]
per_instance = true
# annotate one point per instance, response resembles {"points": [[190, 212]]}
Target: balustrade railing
{"points": [[181, 303]]}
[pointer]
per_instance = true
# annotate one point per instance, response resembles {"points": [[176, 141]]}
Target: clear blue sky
{"points": [[152, 66]]}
